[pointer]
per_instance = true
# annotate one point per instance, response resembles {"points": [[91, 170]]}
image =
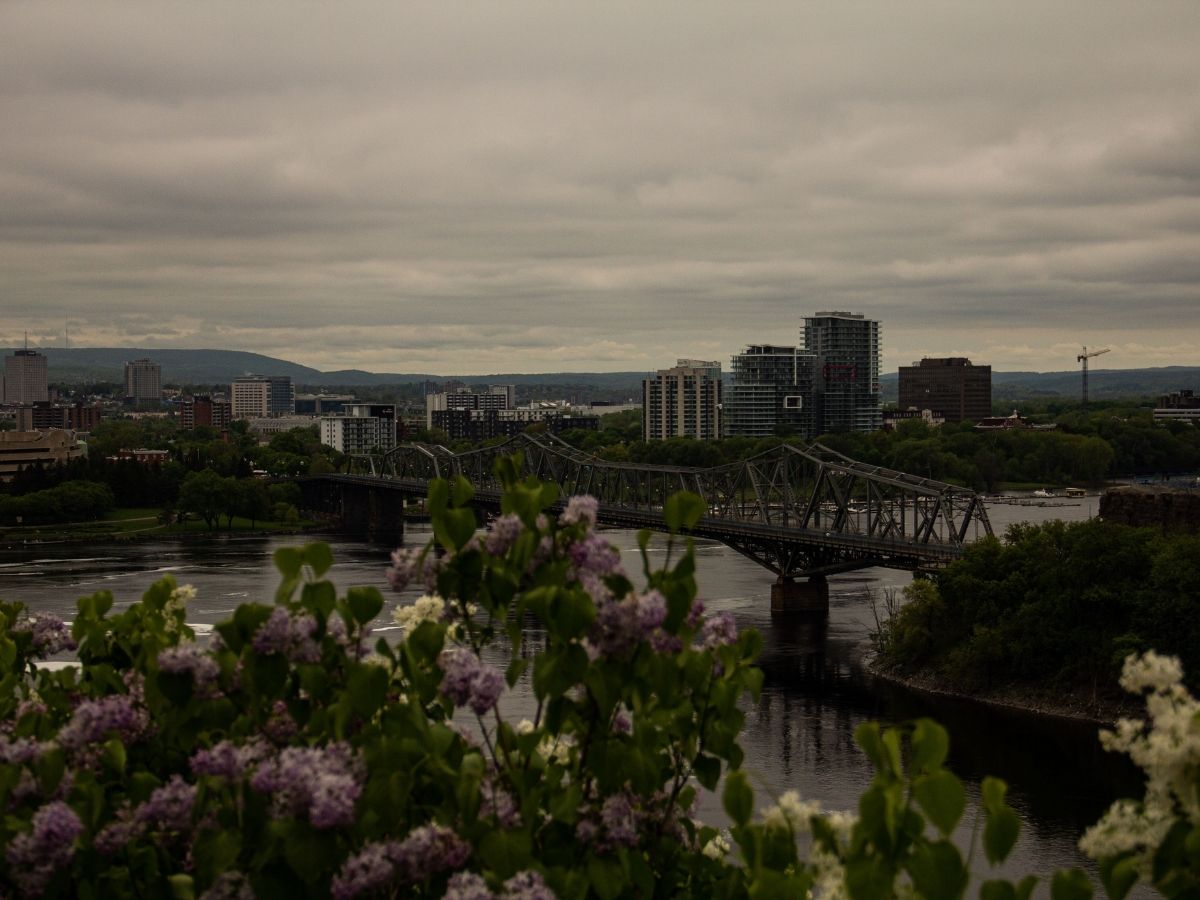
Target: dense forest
{"points": [[1052, 605]]}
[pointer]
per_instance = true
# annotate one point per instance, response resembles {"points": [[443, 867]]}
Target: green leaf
{"points": [[319, 558], [1070, 884], [367, 686], [682, 510], [943, 799], [505, 852], [997, 889], [365, 603], [937, 871], [114, 754], [707, 770], [869, 879], [1025, 887], [1002, 826], [606, 877], [1118, 875], [930, 744], [182, 887], [738, 798], [288, 560]]}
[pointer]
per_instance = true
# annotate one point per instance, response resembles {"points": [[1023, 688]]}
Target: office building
{"points": [[497, 396], [846, 390], [25, 378], [143, 381], [486, 424], [1178, 406], [321, 404], [46, 416], [684, 401], [263, 396], [950, 387], [19, 449], [771, 393], [204, 409]]}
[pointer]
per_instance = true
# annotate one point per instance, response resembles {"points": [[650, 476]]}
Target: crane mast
{"points": [[1083, 358]]}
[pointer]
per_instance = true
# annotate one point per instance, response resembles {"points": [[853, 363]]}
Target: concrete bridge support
{"points": [[376, 514], [810, 598]]}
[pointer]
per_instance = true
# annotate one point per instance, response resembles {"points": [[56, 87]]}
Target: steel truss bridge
{"points": [[799, 512]]}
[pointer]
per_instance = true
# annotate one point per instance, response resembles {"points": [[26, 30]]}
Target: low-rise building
{"points": [[19, 449], [486, 424], [893, 417], [1178, 406]]}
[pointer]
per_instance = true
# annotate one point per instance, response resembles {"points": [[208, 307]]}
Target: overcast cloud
{"points": [[495, 187]]}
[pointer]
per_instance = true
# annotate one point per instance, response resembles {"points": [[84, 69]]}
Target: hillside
{"points": [[217, 366]]}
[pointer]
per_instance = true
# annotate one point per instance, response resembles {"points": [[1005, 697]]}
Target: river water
{"points": [[798, 736]]}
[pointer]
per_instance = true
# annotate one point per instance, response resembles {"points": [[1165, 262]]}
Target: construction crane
{"points": [[1083, 358]]}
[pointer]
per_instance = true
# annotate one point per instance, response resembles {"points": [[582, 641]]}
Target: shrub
{"points": [[295, 756]]}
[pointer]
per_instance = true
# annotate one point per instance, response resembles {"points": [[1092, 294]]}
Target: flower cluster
{"points": [[294, 636], [322, 783], [194, 660], [593, 559], [621, 625], [34, 856], [168, 811], [527, 885], [175, 609], [50, 635], [625, 818], [1167, 748], [580, 509], [425, 852], [503, 534], [468, 681], [426, 608], [229, 760], [94, 721], [414, 563]]}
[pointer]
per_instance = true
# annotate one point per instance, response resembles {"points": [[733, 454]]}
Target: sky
{"points": [[469, 188]]}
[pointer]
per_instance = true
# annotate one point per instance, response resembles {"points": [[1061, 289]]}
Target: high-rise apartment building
{"points": [[950, 387], [204, 409], [25, 378], [143, 381], [771, 393], [263, 396], [684, 401], [361, 428], [848, 357]]}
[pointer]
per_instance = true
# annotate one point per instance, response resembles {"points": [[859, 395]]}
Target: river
{"points": [[800, 733]]}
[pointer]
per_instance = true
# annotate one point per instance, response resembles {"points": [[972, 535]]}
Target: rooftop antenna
{"points": [[1083, 358]]}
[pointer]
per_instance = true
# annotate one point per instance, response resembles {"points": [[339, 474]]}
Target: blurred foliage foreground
{"points": [[295, 755]]}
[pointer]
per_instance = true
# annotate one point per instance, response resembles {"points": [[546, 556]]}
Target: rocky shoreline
{"points": [[1101, 710]]}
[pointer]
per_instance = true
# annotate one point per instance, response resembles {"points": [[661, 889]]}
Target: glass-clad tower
{"points": [[771, 393], [848, 358]]}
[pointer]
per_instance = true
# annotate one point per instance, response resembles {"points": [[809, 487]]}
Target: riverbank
{"points": [[122, 528], [1101, 709]]}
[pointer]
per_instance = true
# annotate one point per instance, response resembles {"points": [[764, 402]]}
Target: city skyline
{"points": [[540, 188]]}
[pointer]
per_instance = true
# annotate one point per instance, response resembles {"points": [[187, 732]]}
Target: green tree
{"points": [[205, 494]]}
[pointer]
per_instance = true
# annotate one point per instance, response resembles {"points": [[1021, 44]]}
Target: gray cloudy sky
{"points": [[465, 187]]}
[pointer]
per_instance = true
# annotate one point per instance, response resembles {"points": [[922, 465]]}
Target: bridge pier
{"points": [[809, 597], [375, 514]]}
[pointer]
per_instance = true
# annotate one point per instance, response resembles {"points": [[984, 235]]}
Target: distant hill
{"points": [[218, 366]]}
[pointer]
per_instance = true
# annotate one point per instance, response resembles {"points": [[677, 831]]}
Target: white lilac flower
{"points": [[1150, 670], [792, 813], [717, 848], [427, 608]]}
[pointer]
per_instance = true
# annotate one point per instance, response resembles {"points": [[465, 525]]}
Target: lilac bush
{"points": [[297, 755]]}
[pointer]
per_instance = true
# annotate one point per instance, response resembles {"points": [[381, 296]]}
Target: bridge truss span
{"points": [[795, 510]]}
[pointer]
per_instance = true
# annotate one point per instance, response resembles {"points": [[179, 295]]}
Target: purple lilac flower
{"points": [[292, 636], [619, 821], [467, 680], [621, 723], [695, 615], [496, 802], [192, 659], [94, 720], [50, 634], [336, 629], [719, 630], [323, 783], [621, 625], [231, 885], [413, 563], [467, 886], [280, 727], [580, 509], [168, 810], [527, 885], [34, 856], [503, 534], [425, 852], [229, 760], [20, 751]]}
